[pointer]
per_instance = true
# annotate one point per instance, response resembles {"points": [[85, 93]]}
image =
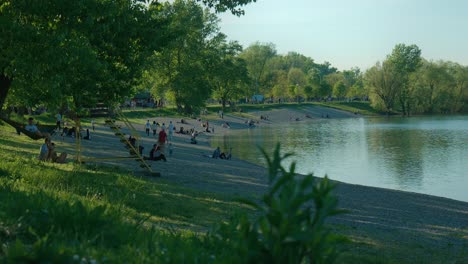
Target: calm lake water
{"points": [[418, 154]]}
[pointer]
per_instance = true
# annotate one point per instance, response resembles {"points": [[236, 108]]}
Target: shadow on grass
{"points": [[163, 204], [39, 227]]}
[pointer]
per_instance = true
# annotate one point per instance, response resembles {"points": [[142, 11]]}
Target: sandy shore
{"points": [[375, 214]]}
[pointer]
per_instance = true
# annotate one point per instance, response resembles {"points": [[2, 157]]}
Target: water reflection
{"points": [[423, 154]]}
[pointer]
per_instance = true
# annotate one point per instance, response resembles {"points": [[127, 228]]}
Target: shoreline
{"points": [[375, 213]]}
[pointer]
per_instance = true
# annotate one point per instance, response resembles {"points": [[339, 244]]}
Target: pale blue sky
{"points": [[351, 33]]}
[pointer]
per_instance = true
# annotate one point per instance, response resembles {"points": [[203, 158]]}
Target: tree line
{"points": [[73, 54], [79, 53]]}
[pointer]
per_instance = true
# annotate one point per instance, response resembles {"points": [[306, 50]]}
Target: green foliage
{"points": [[55, 50], [257, 56], [180, 71], [228, 73], [339, 90], [383, 83], [224, 5], [407, 83], [362, 108], [290, 224]]}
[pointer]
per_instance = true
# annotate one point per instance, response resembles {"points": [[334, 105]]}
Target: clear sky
{"points": [[351, 33]]}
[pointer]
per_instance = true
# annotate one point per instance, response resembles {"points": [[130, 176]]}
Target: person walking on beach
{"points": [[147, 126], [154, 127], [162, 139], [171, 130]]}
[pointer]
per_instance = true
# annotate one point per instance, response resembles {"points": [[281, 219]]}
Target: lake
{"points": [[418, 154]]}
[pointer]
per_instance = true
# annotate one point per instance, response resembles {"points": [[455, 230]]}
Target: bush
{"points": [[290, 226]]}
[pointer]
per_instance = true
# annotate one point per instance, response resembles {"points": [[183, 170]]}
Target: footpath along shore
{"points": [[377, 216]]}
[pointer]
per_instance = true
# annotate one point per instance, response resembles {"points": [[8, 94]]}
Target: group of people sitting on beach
{"points": [[250, 122], [47, 152], [185, 131], [157, 152]]}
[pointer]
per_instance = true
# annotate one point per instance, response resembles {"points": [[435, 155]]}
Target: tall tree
{"points": [[404, 60], [460, 74], [383, 82], [229, 74], [180, 71], [433, 88], [339, 89], [256, 56]]}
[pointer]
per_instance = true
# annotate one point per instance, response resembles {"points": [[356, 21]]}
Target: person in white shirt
{"points": [[33, 129], [154, 127], [44, 150], [147, 127]]}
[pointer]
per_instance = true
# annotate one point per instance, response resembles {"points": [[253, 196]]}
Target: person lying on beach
{"points": [[226, 125], [156, 154], [33, 129]]}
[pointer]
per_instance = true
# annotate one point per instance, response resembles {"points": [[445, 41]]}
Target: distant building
{"points": [[142, 99]]}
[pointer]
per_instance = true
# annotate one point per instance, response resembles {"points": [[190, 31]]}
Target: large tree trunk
{"points": [[5, 84]]}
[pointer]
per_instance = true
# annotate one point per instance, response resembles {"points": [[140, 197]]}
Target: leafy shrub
{"points": [[290, 226]]}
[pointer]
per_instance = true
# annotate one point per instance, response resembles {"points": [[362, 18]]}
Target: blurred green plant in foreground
{"points": [[290, 224]]}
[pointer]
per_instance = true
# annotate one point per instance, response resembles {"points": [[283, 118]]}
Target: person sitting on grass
{"points": [[33, 129], [53, 156], [155, 153], [44, 150]]}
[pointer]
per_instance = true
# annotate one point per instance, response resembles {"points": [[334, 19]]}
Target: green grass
{"points": [[363, 108]]}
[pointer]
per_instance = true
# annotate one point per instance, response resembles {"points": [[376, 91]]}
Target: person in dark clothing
{"points": [[155, 153]]}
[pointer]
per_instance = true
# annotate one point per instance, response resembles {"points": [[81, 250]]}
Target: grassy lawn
{"points": [[363, 108]]}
